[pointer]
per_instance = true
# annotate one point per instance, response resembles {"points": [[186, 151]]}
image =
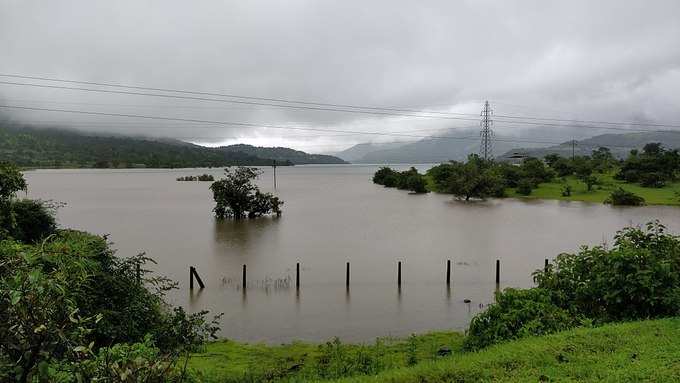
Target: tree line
{"points": [[478, 178]]}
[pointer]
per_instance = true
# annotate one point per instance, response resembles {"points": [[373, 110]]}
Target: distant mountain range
{"points": [[453, 145], [458, 144], [32, 147], [619, 144]]}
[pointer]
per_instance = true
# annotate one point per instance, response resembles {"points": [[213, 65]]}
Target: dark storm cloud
{"points": [[605, 60]]}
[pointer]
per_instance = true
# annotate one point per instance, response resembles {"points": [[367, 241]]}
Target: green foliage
{"points": [[621, 197], [639, 277], [536, 170], [237, 197], [652, 168], [590, 181], [566, 190], [65, 298], [517, 313], [406, 180], [525, 186], [11, 181], [34, 220], [477, 178], [202, 177]]}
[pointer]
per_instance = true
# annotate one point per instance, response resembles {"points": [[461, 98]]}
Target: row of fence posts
{"points": [[194, 274]]}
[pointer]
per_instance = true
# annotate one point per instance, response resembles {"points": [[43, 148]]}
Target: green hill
{"points": [[47, 148]]}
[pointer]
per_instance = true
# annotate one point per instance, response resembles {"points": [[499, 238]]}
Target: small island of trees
{"points": [[237, 197], [202, 177]]}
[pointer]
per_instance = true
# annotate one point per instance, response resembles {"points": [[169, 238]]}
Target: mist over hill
{"points": [[39, 147], [619, 144]]}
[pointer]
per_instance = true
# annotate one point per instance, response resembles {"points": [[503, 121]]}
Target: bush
{"points": [[621, 197], [638, 278], [525, 186], [62, 300], [34, 220], [406, 180], [517, 313]]}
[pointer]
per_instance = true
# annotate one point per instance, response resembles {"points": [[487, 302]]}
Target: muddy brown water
{"points": [[332, 215]]}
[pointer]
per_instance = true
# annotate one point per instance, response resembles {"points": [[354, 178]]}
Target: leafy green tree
{"points": [[237, 197], [477, 178], [536, 170], [563, 167], [652, 168], [603, 159], [591, 181], [11, 182]]}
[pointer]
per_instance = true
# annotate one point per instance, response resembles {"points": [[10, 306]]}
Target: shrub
{"points": [[67, 297], [621, 197], [525, 186], [566, 191], [382, 176], [517, 313], [406, 180], [34, 220], [638, 278]]}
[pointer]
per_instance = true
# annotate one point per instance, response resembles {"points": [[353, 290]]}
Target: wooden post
{"points": [[244, 277], [297, 275], [399, 274], [546, 265], [347, 276], [194, 274], [139, 274], [498, 271], [448, 271]]}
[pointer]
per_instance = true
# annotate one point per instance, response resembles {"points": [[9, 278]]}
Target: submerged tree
{"points": [[237, 197]]}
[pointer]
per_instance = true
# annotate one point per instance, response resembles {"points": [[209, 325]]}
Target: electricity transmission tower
{"points": [[486, 147]]}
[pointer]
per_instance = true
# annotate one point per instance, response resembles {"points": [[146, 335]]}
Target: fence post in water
{"points": [[498, 271], [297, 275], [399, 274], [244, 277], [448, 272], [347, 276], [194, 274]]}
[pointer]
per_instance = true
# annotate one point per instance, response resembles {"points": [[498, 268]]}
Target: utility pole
{"points": [[486, 147], [274, 168]]}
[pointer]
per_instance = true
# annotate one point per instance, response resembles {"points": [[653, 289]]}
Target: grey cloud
{"points": [[605, 60]]}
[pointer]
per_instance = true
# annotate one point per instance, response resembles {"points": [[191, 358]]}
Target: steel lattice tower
{"points": [[486, 147]]}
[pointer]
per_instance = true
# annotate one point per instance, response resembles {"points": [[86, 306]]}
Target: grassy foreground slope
{"points": [[646, 351], [667, 195]]}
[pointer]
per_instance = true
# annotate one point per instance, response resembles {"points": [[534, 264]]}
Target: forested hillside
{"points": [[47, 148]]}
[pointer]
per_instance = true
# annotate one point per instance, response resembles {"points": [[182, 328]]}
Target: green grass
{"points": [[229, 361], [645, 351], [553, 190]]}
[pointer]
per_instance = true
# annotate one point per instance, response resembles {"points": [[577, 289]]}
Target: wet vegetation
{"points": [[237, 197], [407, 180], [202, 178], [649, 176]]}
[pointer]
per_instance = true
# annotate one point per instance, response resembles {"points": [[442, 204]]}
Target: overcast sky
{"points": [[603, 60]]}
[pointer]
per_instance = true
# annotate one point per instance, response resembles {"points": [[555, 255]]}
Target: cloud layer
{"points": [[604, 60]]}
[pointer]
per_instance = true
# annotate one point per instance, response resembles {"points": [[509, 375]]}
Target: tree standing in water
{"points": [[237, 197]]}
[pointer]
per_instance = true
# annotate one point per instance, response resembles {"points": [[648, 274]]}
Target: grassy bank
{"points": [[646, 351], [228, 361], [667, 195]]}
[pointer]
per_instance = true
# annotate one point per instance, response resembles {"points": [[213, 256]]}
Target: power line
{"points": [[247, 124], [309, 103], [267, 126]]}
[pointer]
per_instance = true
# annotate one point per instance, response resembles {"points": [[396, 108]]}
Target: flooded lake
{"points": [[332, 215]]}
